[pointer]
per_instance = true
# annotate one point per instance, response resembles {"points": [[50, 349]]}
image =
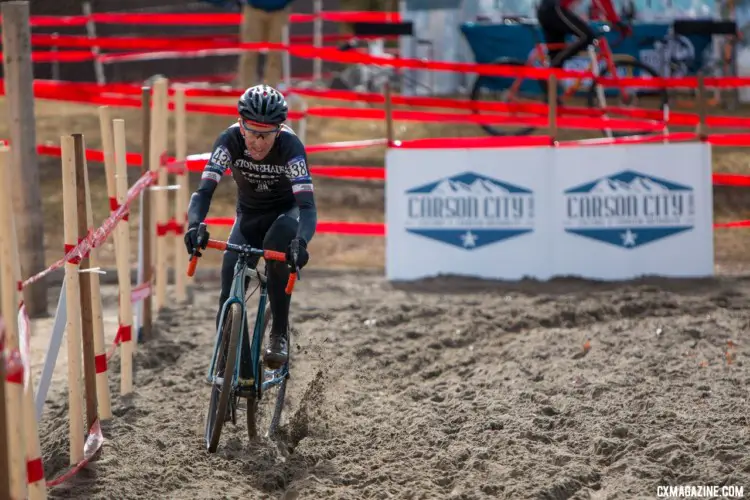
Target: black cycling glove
{"points": [[191, 239]]}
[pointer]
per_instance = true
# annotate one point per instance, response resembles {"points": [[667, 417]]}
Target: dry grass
{"points": [[337, 200]]}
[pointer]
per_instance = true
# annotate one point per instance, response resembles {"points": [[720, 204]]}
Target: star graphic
{"points": [[628, 238], [469, 239]]}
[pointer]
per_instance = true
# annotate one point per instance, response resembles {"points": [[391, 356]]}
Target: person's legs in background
{"points": [[277, 20], [553, 29], [253, 29], [558, 22]]}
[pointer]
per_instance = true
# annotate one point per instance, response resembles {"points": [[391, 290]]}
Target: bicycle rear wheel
{"points": [[221, 387], [256, 414], [652, 98], [497, 88]]}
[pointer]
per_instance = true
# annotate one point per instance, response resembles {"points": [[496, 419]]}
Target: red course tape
{"points": [[202, 19], [103, 94]]}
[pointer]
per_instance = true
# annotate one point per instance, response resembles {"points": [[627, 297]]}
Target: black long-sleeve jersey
{"points": [[276, 183]]}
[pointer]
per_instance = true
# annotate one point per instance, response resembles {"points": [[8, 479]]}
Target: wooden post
{"points": [[103, 400], [121, 238], [148, 234], [701, 130], [123, 261], [19, 101], [183, 195], [552, 105], [87, 318], [5, 453], [317, 39], [388, 115], [158, 144], [72, 290], [9, 304], [36, 484], [91, 31]]}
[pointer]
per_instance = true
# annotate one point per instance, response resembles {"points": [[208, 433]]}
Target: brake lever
{"points": [[295, 255]]}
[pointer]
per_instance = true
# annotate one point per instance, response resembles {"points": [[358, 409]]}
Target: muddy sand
{"points": [[446, 388]]}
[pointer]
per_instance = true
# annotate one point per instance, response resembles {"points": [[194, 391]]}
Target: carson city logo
{"points": [[469, 210], [629, 209]]}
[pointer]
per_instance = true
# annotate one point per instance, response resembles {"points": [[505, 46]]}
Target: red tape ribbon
{"points": [[74, 259], [172, 226], [14, 368], [203, 19], [100, 362], [125, 333], [34, 470], [113, 206]]}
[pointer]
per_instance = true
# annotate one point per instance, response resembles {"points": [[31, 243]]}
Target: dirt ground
{"points": [[444, 388]]}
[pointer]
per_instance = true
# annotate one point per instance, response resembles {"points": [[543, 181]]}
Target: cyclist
{"points": [[275, 203], [557, 20]]}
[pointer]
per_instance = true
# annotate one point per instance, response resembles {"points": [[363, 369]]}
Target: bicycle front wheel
{"points": [[508, 90], [221, 386], [654, 99]]}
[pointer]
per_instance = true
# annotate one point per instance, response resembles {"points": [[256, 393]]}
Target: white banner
{"points": [[477, 212], [604, 212], [631, 210]]}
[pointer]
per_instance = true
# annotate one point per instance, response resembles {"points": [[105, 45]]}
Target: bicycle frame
{"points": [[237, 295]]}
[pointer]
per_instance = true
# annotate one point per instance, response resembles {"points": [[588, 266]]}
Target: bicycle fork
{"points": [[599, 88], [219, 341]]}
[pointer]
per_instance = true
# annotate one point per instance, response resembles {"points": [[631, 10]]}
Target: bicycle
{"points": [[617, 65], [223, 371]]}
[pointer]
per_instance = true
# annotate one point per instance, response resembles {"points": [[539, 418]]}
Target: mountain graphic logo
{"points": [[469, 210], [629, 209]]}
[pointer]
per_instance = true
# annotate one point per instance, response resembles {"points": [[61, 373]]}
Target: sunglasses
{"points": [[259, 134]]}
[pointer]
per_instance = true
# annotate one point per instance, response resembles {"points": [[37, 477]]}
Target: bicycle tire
{"points": [[486, 80], [218, 406], [278, 406], [630, 67], [253, 401]]}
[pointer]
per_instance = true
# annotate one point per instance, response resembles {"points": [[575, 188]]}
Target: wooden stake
{"points": [[701, 129], [123, 262], [108, 145], [19, 103], [9, 304], [159, 117], [72, 290], [389, 115], [36, 484], [182, 197], [104, 404], [5, 454], [148, 234], [87, 319], [552, 105]]}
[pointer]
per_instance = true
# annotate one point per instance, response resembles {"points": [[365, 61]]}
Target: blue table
{"points": [[491, 41]]}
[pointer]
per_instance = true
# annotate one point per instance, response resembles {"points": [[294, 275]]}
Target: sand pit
{"points": [[449, 388]]}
